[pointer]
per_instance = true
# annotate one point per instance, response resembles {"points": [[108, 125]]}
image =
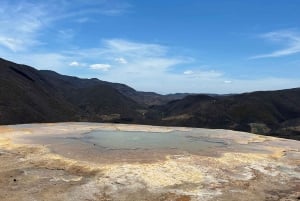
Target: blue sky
{"points": [[163, 46]]}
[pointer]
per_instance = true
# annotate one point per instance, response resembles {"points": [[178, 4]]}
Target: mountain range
{"points": [[28, 95]]}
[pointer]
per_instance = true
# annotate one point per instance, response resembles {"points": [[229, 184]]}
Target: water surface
{"points": [[118, 140], [106, 146]]}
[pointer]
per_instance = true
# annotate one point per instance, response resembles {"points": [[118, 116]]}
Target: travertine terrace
{"points": [[58, 162]]}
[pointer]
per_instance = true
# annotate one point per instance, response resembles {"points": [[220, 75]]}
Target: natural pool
{"points": [[109, 146], [134, 140], [88, 161]]}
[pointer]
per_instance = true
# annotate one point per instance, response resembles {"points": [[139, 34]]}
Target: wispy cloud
{"points": [[76, 64], [188, 72], [290, 39], [147, 73], [23, 23], [102, 67], [134, 48], [121, 60], [20, 25], [79, 10], [13, 44], [227, 81], [142, 57], [203, 74]]}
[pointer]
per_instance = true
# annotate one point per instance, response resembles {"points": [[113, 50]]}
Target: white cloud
{"points": [[290, 39], [144, 58], [24, 22], [188, 72], [80, 11], [152, 77], [121, 60], [148, 67], [45, 61], [203, 74], [74, 63], [103, 67], [20, 24], [134, 48], [13, 44], [227, 81], [145, 66]]}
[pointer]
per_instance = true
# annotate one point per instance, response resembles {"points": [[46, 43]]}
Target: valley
{"points": [[28, 95]]}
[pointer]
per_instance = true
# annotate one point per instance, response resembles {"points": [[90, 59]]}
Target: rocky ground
{"points": [[247, 167]]}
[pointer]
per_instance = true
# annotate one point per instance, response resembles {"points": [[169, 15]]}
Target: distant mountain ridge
{"points": [[264, 112], [143, 98], [28, 95]]}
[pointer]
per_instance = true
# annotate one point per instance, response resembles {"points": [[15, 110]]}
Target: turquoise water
{"points": [[118, 140]]}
